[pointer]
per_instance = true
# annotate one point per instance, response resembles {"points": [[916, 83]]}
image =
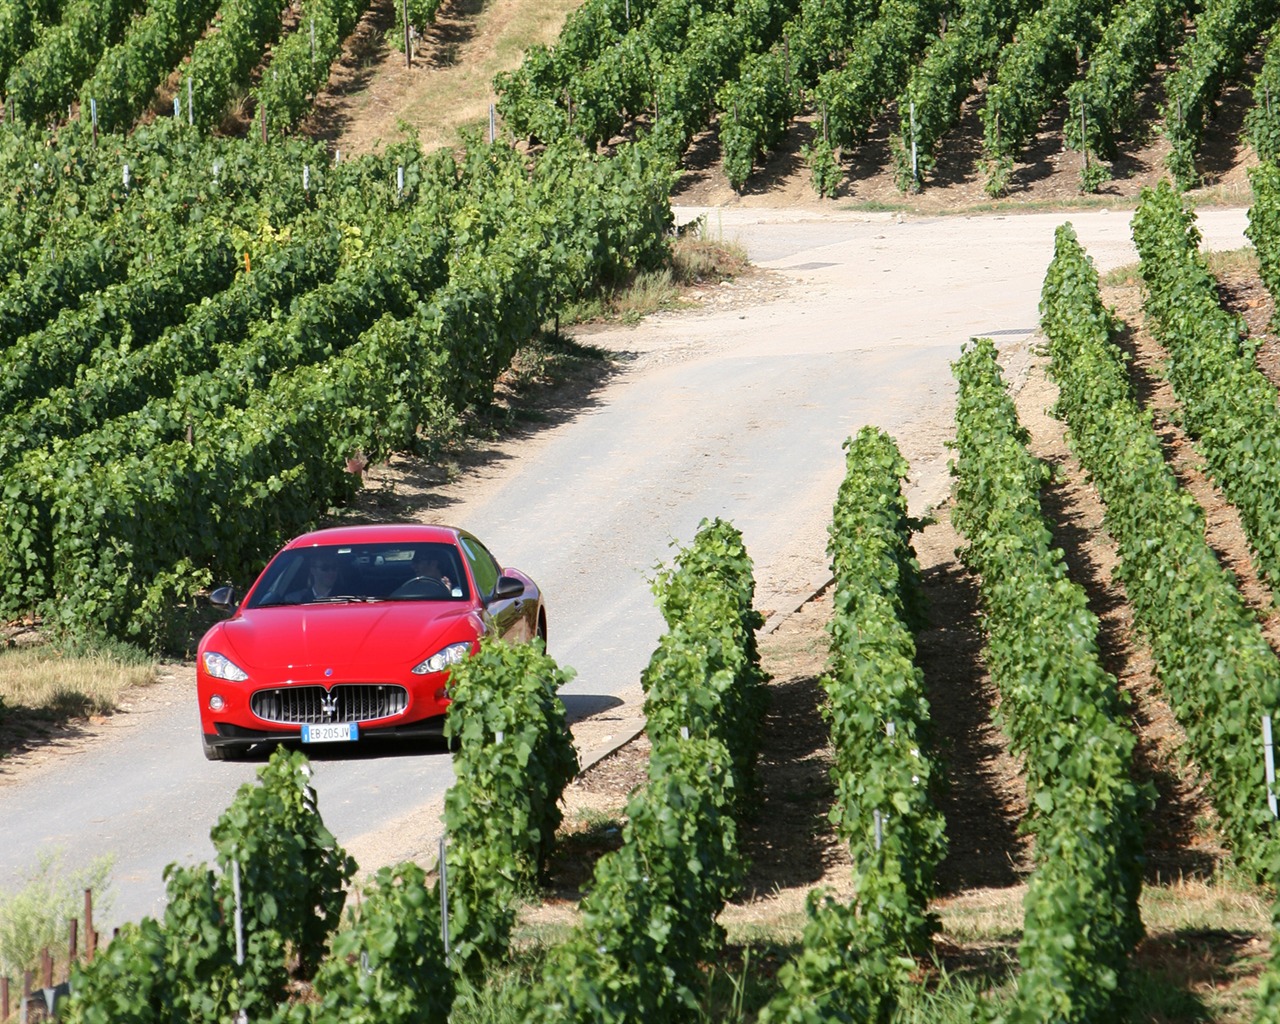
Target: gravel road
{"points": [[736, 410]]}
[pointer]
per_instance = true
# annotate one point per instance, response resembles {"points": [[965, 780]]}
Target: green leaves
{"points": [[856, 958], [389, 964], [649, 922], [282, 875], [1060, 708], [1213, 54], [514, 758], [363, 314], [1213, 660], [1033, 71]]}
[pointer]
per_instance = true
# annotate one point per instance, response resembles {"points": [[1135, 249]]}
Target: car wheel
{"points": [[218, 751]]}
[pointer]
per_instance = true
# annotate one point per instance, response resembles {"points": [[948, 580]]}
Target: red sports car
{"points": [[350, 632]]}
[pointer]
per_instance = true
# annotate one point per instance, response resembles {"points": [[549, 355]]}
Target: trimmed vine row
{"points": [[1061, 710], [858, 957], [1185, 603]]}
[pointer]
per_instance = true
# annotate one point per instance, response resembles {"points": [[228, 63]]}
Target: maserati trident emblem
{"points": [[328, 705]]}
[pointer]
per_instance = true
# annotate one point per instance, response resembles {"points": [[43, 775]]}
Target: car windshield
{"points": [[338, 574]]}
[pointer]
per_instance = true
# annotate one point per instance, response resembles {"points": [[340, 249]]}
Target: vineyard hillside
{"points": [[373, 96], [358, 225]]}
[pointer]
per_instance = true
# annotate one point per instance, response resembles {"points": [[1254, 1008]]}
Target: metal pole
{"points": [[408, 49], [239, 913], [1268, 751], [444, 899], [1084, 137], [879, 820], [191, 110], [915, 165]]}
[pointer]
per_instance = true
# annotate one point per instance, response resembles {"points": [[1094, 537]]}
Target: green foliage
{"points": [[128, 73], [1103, 102], [663, 68], [1263, 229], [34, 917], [514, 758], [361, 314], [755, 110], [222, 59], [649, 923], [1032, 72], [1184, 601], [856, 959], [283, 881], [198, 262], [291, 868], [124, 983], [705, 675], [825, 172], [1212, 56], [929, 105], [844, 972], [19, 24], [388, 965], [299, 66], [1229, 405], [879, 61], [47, 77], [1262, 120], [1062, 712]]}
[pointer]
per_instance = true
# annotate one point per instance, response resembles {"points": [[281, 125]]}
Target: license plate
{"points": [[330, 732]]}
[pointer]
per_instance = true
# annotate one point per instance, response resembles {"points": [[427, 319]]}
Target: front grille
{"points": [[311, 705]]}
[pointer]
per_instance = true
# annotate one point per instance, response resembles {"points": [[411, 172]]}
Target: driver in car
{"points": [[425, 563], [322, 577]]}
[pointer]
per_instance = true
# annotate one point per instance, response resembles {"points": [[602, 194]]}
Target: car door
{"points": [[505, 616]]}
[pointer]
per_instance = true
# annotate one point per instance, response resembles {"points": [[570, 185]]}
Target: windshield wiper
{"points": [[346, 599]]}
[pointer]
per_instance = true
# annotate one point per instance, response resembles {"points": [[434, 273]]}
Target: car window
{"points": [[362, 572], [484, 567]]}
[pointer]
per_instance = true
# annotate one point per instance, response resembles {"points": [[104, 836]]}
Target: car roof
{"points": [[379, 533]]}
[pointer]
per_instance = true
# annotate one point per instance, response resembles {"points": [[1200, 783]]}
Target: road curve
{"points": [[736, 410]]}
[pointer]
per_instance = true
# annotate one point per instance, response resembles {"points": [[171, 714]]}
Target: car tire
{"points": [[218, 751]]}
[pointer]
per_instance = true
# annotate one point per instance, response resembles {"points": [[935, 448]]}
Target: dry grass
{"points": [[699, 258], [43, 678], [1233, 262], [450, 85]]}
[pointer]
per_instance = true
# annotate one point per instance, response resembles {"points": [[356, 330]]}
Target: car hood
{"points": [[337, 636]]}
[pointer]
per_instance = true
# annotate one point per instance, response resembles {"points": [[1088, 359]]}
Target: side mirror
{"points": [[508, 587], [223, 597]]}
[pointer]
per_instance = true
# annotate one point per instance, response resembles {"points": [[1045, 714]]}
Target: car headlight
{"points": [[442, 659], [221, 667]]}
